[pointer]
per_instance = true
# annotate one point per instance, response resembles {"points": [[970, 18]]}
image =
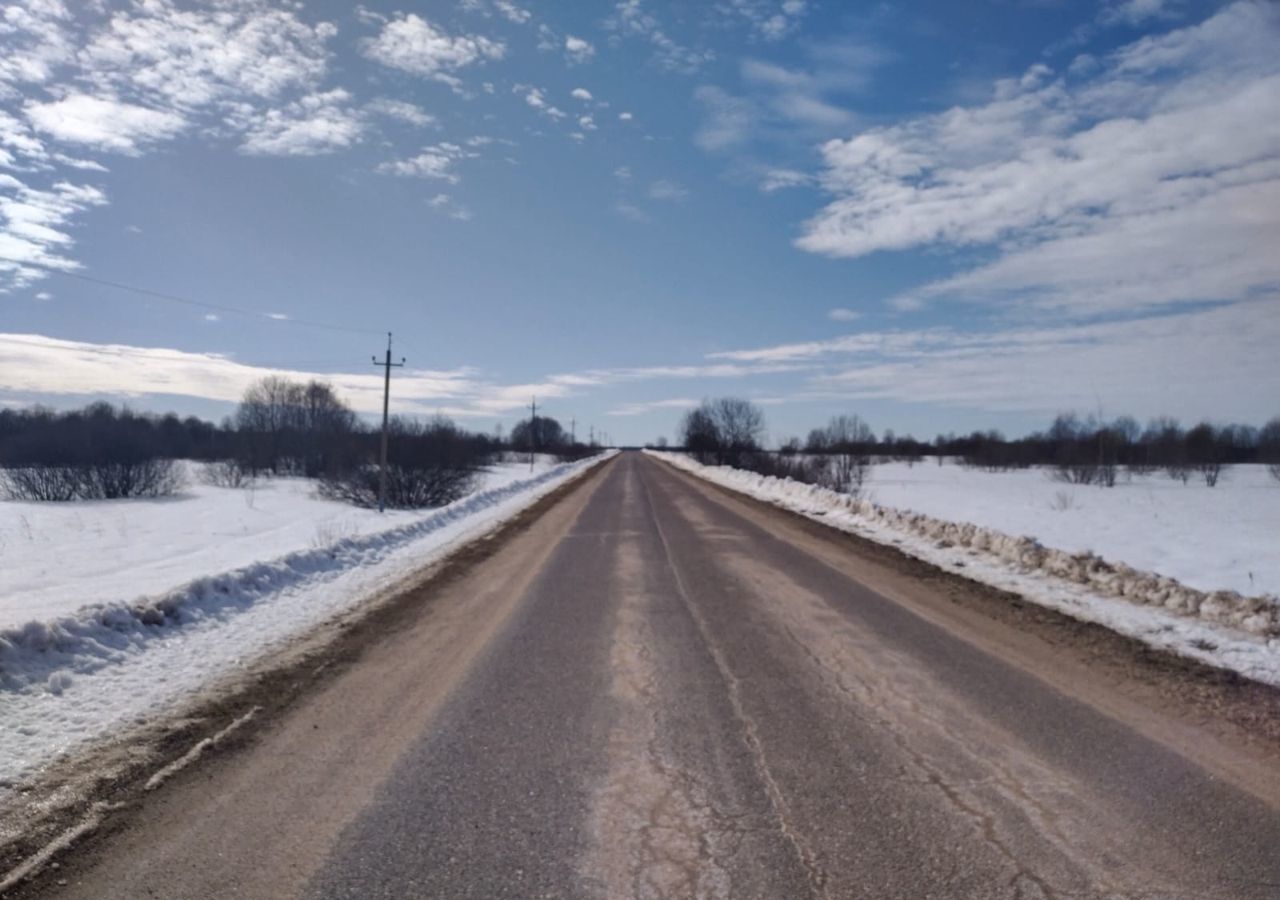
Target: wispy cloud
{"points": [[35, 363], [771, 20], [1181, 364], [667, 191], [632, 18], [435, 161], [103, 123], [412, 44], [317, 123], [401, 110], [648, 406], [578, 50], [1154, 180]]}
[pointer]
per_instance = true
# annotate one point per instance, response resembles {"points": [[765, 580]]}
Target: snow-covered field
{"points": [[1221, 538], [57, 557], [112, 611], [1182, 567]]}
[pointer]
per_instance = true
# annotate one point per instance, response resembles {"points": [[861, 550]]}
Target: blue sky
{"points": [[941, 216]]}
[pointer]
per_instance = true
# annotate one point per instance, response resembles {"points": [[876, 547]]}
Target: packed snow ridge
{"points": [[1071, 581], [81, 673], [98, 634]]}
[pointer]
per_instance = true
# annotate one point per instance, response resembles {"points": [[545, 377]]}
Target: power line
{"points": [[174, 298]]}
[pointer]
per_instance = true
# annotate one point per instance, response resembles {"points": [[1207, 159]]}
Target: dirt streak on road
{"points": [[662, 690]]}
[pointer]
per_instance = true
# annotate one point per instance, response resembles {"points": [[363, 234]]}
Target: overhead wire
{"points": [[277, 318]]}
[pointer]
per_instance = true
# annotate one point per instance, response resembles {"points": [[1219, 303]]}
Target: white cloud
{"points": [[450, 207], [632, 19], [76, 367], [587, 123], [44, 365], [639, 409], [580, 94], [315, 124], [34, 227], [36, 42], [402, 111], [186, 58], [631, 211], [537, 98], [797, 96], [1154, 180], [412, 44], [1136, 12], [728, 122], [104, 123], [577, 50], [769, 19], [781, 179], [512, 12], [625, 116], [622, 173], [44, 296], [840, 314], [436, 161], [667, 191], [1217, 364]]}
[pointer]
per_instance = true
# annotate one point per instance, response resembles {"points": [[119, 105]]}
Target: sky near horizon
{"points": [[941, 216]]}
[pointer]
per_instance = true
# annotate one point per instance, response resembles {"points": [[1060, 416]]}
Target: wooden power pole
{"points": [[533, 430], [387, 365]]}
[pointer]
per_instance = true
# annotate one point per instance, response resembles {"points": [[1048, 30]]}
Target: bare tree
{"points": [[292, 427], [740, 424], [1269, 447], [1204, 454], [850, 441], [699, 434]]}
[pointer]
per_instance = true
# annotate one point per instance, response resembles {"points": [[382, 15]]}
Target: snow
{"points": [[139, 604], [1221, 538], [58, 557], [1213, 624]]}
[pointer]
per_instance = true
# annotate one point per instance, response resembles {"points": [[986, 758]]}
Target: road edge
{"points": [[94, 793]]}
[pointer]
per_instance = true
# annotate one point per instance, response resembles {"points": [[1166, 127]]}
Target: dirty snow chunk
{"points": [[1220, 627]]}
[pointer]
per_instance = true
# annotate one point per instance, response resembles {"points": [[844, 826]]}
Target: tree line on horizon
{"points": [[730, 431], [281, 427]]}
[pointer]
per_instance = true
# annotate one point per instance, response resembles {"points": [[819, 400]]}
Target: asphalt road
{"points": [[660, 690]]}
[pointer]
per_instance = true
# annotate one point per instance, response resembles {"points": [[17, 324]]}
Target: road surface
{"points": [[661, 690]]}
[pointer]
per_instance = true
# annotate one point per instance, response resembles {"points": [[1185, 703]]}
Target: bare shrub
{"points": [[1062, 501], [40, 483], [227, 473], [99, 480], [1076, 473], [140, 478], [1210, 472], [408, 487], [429, 464], [848, 473]]}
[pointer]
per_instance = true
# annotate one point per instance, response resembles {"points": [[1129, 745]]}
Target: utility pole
{"points": [[387, 365], [533, 430], [573, 432], [591, 441]]}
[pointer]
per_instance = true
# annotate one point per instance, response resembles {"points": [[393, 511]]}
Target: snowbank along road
{"points": [[659, 689]]}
